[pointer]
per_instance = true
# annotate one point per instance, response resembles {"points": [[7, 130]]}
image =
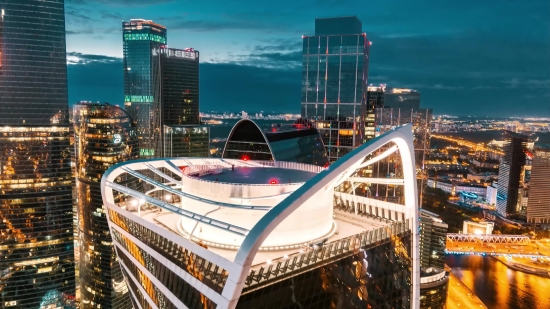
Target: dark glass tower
{"points": [[335, 64], [538, 207], [104, 135], [36, 229], [509, 173], [140, 38], [375, 99], [176, 93], [434, 279], [177, 85]]}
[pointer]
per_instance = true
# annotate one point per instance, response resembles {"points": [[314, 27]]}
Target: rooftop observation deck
{"points": [[227, 239], [349, 231]]}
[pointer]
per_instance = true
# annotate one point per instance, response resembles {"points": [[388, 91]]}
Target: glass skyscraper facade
{"points": [[433, 240], [538, 207], [104, 136], [36, 223], [335, 65], [140, 38], [375, 99], [510, 174], [387, 119], [176, 93], [186, 141]]}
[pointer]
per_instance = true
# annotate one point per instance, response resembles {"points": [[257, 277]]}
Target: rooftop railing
{"points": [[283, 267]]}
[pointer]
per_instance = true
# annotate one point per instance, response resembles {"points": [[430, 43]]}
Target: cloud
{"points": [[436, 86], [79, 58], [275, 54], [483, 87], [223, 24], [529, 83], [288, 60], [238, 87], [120, 2]]}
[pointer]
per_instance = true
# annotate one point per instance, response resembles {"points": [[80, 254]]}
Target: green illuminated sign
{"points": [[144, 37], [147, 152], [138, 98]]}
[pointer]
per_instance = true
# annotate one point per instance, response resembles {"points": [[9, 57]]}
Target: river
{"points": [[498, 286]]}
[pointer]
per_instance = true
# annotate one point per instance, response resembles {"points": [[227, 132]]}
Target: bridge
{"points": [[497, 238], [511, 246]]}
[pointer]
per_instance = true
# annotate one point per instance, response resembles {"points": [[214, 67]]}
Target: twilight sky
{"points": [[469, 57]]}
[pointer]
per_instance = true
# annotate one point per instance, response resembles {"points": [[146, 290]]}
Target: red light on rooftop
{"points": [[244, 158], [274, 182]]}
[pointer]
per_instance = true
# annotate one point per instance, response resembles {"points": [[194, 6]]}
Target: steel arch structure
{"points": [[239, 268]]}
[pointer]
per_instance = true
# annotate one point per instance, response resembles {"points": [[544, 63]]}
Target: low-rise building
{"points": [[484, 176], [479, 228], [491, 195], [478, 190]]}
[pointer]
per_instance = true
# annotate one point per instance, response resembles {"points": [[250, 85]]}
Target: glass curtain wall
{"points": [[104, 136], [36, 222]]}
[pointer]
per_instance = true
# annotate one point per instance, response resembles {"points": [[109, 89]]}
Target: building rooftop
{"points": [[338, 25], [244, 234], [248, 175]]}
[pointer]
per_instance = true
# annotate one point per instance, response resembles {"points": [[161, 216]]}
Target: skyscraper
{"points": [[509, 173], [538, 206], [176, 94], [403, 98], [217, 253], [36, 242], [104, 136], [433, 236], [334, 82], [375, 99], [434, 279], [140, 38]]}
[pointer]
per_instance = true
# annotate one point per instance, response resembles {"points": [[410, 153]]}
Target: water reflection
{"points": [[498, 286]]}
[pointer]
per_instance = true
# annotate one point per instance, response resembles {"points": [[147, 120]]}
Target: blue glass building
{"points": [[335, 64], [140, 38]]}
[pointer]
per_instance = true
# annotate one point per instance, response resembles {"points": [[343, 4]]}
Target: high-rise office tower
{"points": [[197, 248], [538, 205], [140, 38], [388, 118], [176, 98], [36, 239], [402, 106], [104, 136], [403, 98], [375, 99], [510, 173], [433, 236], [334, 82], [434, 279]]}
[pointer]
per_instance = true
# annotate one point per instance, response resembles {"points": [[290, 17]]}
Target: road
{"points": [[472, 145]]}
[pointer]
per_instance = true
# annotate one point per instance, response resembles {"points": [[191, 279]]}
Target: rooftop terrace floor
{"points": [[348, 224]]}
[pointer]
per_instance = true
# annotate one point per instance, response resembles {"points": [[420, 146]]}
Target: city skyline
{"points": [[462, 62]]}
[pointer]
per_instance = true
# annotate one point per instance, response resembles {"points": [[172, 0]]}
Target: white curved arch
{"points": [[345, 166], [261, 131]]}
